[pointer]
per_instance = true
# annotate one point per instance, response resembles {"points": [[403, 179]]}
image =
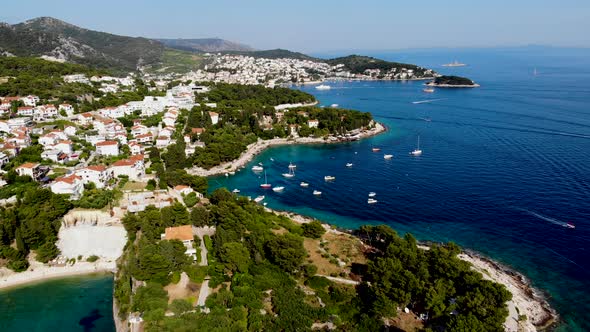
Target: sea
{"points": [[504, 169]]}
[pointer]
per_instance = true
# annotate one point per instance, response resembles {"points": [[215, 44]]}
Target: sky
{"points": [[321, 26]]}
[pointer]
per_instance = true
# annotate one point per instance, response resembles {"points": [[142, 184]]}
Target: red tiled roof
{"points": [[105, 143], [182, 233], [28, 165]]}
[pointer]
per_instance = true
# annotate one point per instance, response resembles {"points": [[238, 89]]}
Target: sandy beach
{"points": [[256, 148], [38, 272]]}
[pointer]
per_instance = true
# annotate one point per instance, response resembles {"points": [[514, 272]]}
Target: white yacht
{"points": [[387, 156], [323, 87], [349, 164], [372, 194], [329, 178], [278, 189], [236, 191], [259, 199], [371, 201], [317, 192], [257, 168], [417, 151], [304, 184]]}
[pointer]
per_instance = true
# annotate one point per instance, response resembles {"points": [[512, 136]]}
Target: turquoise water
{"points": [[71, 304], [504, 166]]}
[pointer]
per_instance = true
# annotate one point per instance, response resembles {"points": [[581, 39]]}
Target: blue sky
{"points": [[320, 25]]}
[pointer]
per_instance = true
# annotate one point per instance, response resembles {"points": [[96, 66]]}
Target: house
{"points": [[166, 131], [107, 148], [112, 112], [85, 119], [293, 129], [197, 131], [98, 174], [162, 141], [55, 155], [4, 126], [64, 146], [183, 190], [19, 122], [30, 100], [3, 159], [70, 130], [145, 138], [214, 117], [183, 234], [139, 130], [25, 111], [135, 148], [30, 169], [69, 109], [69, 185], [132, 168], [313, 123]]}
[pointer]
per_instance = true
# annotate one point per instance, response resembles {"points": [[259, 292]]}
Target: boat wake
{"points": [[545, 218], [427, 101]]}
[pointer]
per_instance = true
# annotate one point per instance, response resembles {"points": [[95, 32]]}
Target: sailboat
{"points": [[291, 172], [265, 185], [417, 151]]}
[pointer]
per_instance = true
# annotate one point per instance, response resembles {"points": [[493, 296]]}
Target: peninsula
{"points": [[452, 82]]}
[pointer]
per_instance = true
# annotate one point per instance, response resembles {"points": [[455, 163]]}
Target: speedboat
{"points": [[348, 164], [317, 192], [257, 168], [371, 201], [375, 149], [259, 199], [428, 90], [278, 189], [304, 184], [329, 178], [236, 191], [334, 105], [323, 87], [570, 225], [387, 156], [288, 175], [272, 159], [372, 194]]}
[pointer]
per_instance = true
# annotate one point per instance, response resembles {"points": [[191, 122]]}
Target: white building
{"points": [[214, 117], [69, 185], [99, 175], [313, 123], [107, 148], [132, 167]]}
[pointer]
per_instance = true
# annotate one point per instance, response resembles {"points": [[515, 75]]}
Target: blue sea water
{"points": [[504, 167], [72, 304]]}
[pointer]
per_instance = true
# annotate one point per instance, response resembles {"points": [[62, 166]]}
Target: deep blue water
{"points": [[71, 304], [504, 166]]}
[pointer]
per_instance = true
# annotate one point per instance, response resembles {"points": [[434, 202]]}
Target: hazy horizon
{"points": [[311, 27]]}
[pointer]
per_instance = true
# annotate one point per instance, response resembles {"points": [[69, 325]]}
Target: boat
{"points": [[317, 192], [272, 159], [387, 156], [226, 174], [278, 189], [265, 185], [257, 168], [428, 90], [236, 191], [291, 172], [261, 164], [372, 194], [417, 151], [304, 184], [570, 225], [323, 87], [376, 149], [349, 164], [334, 105], [371, 201], [259, 199], [454, 64], [329, 178], [292, 166]]}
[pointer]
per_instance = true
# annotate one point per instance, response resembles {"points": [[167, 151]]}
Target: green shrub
{"points": [[92, 259]]}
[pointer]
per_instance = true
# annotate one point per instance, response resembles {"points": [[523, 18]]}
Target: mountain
{"points": [[277, 54], [50, 37], [205, 45], [357, 64]]}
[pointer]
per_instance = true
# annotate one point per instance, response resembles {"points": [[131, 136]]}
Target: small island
{"points": [[452, 82]]}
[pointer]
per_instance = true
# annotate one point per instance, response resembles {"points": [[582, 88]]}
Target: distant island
{"points": [[452, 82]]}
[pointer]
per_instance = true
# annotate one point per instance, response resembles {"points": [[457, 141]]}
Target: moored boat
{"points": [[317, 192], [236, 191], [349, 164], [265, 185], [371, 201], [372, 194], [323, 87], [257, 168], [304, 184], [278, 189], [329, 178], [387, 156], [259, 199], [376, 149], [417, 151]]}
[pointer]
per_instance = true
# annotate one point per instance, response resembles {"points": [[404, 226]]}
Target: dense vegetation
{"points": [[357, 64], [262, 280], [242, 110], [453, 80], [43, 78], [43, 35], [31, 224]]}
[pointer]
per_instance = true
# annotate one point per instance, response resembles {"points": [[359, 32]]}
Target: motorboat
{"points": [[304, 184], [349, 164], [288, 175], [428, 90], [329, 178], [317, 192], [323, 87], [387, 156], [371, 201], [334, 105], [236, 191], [257, 168], [259, 199], [278, 189], [570, 225], [375, 149], [372, 194]]}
